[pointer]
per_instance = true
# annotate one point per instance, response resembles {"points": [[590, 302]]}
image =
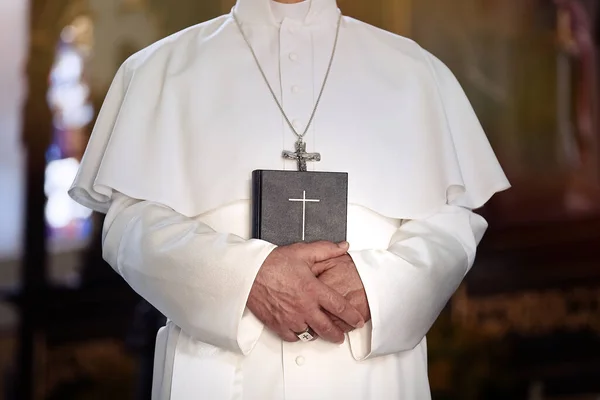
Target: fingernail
{"points": [[361, 324], [343, 245]]}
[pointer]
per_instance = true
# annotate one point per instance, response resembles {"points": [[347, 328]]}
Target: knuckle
{"points": [[298, 325], [310, 286], [323, 245], [330, 247], [299, 245], [328, 329], [340, 307], [319, 326]]}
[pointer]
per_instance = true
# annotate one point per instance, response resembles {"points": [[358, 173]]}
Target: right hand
{"points": [[287, 297]]}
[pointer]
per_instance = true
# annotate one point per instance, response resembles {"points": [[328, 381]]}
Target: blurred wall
{"points": [[13, 47], [119, 30]]}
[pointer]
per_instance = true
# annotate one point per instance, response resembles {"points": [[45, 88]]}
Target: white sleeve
{"points": [[409, 284], [198, 278]]}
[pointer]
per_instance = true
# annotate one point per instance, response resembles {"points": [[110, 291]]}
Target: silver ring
{"points": [[306, 336]]}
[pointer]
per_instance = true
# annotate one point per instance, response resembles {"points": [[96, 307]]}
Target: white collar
{"points": [[297, 11], [260, 12]]}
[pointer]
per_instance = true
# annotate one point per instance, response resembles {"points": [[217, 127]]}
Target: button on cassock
{"points": [[300, 361], [293, 56]]}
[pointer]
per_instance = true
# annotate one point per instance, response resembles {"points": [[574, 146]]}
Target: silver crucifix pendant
{"points": [[300, 155]]}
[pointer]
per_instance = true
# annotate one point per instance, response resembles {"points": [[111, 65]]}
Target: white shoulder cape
{"points": [[187, 120]]}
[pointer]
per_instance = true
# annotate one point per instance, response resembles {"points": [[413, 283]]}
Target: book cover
{"points": [[298, 206]]}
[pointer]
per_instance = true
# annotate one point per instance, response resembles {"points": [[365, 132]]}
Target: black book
{"points": [[295, 206]]}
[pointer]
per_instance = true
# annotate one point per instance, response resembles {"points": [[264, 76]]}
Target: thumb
{"points": [[322, 251]]}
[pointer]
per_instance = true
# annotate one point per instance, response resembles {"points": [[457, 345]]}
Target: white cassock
{"points": [[189, 118]]}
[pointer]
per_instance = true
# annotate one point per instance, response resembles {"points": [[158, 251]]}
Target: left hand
{"points": [[341, 275]]}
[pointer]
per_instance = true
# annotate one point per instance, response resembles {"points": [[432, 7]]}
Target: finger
{"points": [[325, 328], [288, 336], [337, 305], [298, 327], [339, 323], [323, 266], [344, 327], [321, 251], [320, 267]]}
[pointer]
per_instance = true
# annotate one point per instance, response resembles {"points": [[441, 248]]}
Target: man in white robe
{"points": [[185, 123]]}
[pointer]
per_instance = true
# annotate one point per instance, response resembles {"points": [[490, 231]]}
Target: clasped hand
{"points": [[314, 285]]}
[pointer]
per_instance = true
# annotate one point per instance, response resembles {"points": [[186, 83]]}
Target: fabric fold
{"points": [[409, 284], [179, 148]]}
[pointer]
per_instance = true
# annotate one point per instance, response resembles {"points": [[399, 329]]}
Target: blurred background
{"points": [[526, 323]]}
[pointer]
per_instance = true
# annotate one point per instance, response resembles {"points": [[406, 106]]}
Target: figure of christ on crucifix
{"points": [[301, 155], [304, 200]]}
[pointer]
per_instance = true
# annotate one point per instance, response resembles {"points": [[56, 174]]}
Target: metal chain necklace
{"points": [[300, 155]]}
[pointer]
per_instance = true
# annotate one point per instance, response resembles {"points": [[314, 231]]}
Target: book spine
{"points": [[256, 204]]}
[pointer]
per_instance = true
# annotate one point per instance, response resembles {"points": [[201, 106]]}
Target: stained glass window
{"points": [[69, 99]]}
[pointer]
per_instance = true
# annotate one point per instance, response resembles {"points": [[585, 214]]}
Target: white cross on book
{"points": [[304, 200]]}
